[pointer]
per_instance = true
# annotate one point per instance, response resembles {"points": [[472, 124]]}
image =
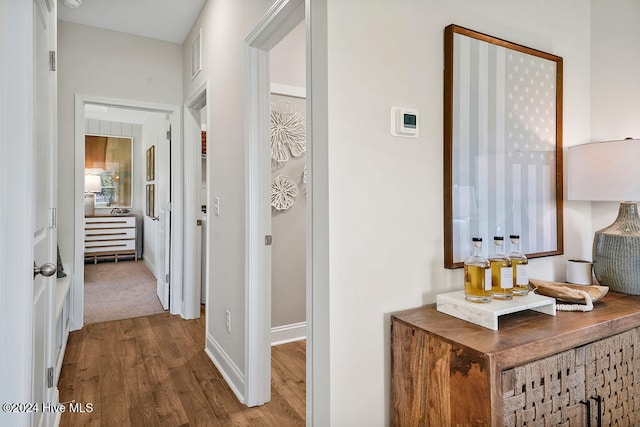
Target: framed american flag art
{"points": [[502, 145]]}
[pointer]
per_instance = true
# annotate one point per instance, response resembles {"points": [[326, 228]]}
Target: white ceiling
{"points": [[168, 20]]}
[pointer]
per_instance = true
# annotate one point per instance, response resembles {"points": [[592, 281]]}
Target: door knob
{"points": [[47, 269], [155, 218]]}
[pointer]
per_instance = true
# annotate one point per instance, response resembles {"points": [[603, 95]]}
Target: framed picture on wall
{"points": [[502, 145], [150, 200], [151, 174]]}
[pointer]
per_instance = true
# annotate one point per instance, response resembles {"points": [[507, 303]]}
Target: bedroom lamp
{"points": [[608, 171], [92, 185]]}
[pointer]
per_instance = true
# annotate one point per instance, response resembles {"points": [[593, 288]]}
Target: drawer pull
{"points": [[587, 404], [599, 417]]}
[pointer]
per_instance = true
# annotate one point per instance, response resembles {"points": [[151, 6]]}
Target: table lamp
{"points": [[608, 171], [92, 185]]}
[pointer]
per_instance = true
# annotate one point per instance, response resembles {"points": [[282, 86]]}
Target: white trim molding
{"points": [[288, 333], [229, 370], [288, 90]]}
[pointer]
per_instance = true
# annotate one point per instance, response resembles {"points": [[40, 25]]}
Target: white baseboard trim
{"points": [[229, 370], [288, 333], [151, 266]]}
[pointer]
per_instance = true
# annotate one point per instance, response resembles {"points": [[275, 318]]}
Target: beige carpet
{"points": [[114, 291]]}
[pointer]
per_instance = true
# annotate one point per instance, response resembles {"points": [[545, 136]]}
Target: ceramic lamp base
{"points": [[89, 204], [616, 252]]}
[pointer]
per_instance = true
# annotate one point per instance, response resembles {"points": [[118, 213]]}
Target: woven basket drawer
{"points": [[554, 391], [613, 373], [546, 392]]}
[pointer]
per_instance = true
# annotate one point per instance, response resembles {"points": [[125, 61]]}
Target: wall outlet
{"points": [[228, 320]]}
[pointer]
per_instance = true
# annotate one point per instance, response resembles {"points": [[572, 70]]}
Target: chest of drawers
{"points": [[110, 237], [570, 369]]}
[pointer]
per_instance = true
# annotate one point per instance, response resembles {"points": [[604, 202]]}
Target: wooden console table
{"points": [[110, 237], [570, 369]]}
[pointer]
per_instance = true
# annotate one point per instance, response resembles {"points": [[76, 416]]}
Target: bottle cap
{"points": [[476, 239], [498, 238], [514, 236]]}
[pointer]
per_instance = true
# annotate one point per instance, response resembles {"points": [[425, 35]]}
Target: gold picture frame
{"points": [[150, 200], [151, 172]]}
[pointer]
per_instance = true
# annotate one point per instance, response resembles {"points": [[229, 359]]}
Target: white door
{"points": [[162, 216], [44, 232], [27, 180]]}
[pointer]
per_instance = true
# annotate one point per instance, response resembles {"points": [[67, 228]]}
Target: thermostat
{"points": [[404, 122]]}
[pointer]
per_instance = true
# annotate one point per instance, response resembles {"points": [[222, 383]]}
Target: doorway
{"points": [[196, 201], [289, 166], [283, 17], [146, 223], [126, 185]]}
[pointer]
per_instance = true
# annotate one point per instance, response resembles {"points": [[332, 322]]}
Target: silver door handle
{"points": [[47, 269]]}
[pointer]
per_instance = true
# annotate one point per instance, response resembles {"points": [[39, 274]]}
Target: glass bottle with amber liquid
{"points": [[520, 265], [477, 275], [501, 272]]}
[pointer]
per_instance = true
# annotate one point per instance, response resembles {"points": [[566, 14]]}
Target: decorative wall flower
{"points": [[288, 133], [283, 192]]}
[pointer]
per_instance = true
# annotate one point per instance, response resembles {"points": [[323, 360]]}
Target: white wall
{"points": [[225, 24], [386, 194], [287, 59], [615, 86], [93, 61]]}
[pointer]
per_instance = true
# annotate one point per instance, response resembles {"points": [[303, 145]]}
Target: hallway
{"points": [[152, 371]]}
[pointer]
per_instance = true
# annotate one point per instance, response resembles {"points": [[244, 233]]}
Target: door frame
{"points": [[279, 21], [192, 184], [77, 310]]}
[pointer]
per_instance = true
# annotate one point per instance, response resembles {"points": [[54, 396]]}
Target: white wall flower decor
{"points": [[288, 133], [283, 192]]}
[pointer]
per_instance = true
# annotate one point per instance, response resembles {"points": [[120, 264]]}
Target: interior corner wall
{"points": [[615, 86], [225, 24], [97, 62], [386, 193], [287, 66]]}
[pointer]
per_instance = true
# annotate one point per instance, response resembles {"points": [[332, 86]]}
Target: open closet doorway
{"points": [[124, 221]]}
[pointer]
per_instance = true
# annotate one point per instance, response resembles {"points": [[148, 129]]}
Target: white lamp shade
{"points": [[92, 184], [604, 171]]}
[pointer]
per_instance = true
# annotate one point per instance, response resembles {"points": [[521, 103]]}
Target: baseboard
{"points": [[288, 333], [151, 266], [229, 370]]}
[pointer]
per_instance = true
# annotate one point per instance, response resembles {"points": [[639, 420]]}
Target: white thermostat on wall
{"points": [[404, 122]]}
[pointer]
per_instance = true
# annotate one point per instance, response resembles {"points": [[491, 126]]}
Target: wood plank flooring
{"points": [[152, 371]]}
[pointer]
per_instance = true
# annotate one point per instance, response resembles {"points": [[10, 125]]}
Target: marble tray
{"points": [[486, 315]]}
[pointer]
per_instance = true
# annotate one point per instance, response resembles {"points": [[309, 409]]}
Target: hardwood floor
{"points": [[152, 371]]}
